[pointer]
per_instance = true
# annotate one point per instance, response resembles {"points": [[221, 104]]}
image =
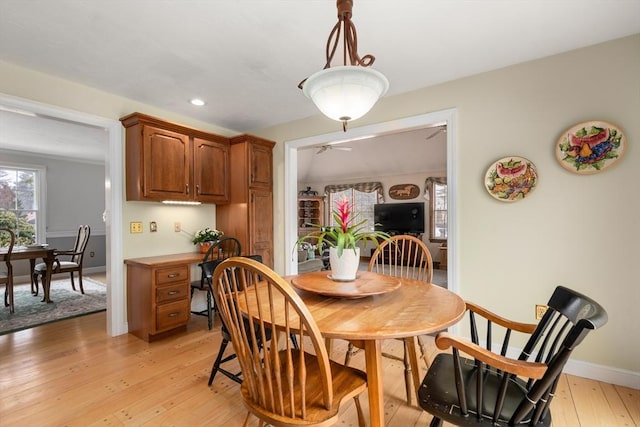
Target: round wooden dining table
{"points": [[411, 309]]}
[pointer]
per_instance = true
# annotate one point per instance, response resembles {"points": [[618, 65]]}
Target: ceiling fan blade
{"points": [[436, 132], [343, 148], [432, 135], [322, 149]]}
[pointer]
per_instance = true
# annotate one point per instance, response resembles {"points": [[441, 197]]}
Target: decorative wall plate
{"points": [[511, 178], [590, 147], [404, 191]]}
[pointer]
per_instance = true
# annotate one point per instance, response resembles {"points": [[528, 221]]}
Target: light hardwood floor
{"points": [[70, 373]]}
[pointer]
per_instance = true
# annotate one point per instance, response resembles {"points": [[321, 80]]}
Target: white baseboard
{"points": [[607, 374]]}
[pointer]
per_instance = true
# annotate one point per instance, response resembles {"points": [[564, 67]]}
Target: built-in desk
{"points": [[158, 302]]}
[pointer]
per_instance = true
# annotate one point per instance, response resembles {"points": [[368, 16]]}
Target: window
{"points": [[437, 195], [362, 197], [20, 203]]}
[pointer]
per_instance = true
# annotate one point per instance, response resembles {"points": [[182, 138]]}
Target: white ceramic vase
{"points": [[345, 267]]}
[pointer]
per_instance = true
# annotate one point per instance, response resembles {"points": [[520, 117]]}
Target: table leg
{"points": [[46, 279], [373, 362]]}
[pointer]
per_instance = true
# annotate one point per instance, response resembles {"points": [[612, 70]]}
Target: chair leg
{"points": [[216, 364], [352, 350], [209, 311], [361, 422], [80, 281], [73, 285], [408, 376], [436, 422], [34, 283], [423, 350]]}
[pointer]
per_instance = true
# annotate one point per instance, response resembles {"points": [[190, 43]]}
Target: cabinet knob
{"points": [[172, 275], [198, 189], [174, 314], [187, 188], [173, 292]]}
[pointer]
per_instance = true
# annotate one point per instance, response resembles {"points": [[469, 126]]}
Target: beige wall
{"points": [[580, 231]]}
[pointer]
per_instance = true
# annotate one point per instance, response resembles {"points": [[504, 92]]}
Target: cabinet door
{"points": [[261, 225], [260, 166], [167, 159], [211, 165]]}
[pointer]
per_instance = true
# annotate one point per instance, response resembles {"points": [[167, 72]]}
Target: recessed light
{"points": [[197, 102]]}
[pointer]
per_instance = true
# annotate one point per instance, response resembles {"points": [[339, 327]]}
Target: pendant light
{"points": [[345, 93]]}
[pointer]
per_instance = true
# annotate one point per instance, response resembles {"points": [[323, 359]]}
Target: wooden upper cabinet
{"points": [[211, 170], [166, 167], [260, 166], [168, 161]]}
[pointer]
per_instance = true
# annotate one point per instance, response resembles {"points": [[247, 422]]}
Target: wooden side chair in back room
{"points": [[224, 248], [281, 386], [491, 389], [402, 256], [66, 261], [6, 274]]}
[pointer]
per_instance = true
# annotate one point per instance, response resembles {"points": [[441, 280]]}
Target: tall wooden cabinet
{"points": [[168, 161], [249, 214]]}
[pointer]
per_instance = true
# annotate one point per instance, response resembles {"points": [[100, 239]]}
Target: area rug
{"points": [[30, 311]]}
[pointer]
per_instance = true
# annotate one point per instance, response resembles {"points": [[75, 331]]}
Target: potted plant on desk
{"points": [[342, 239], [206, 237]]}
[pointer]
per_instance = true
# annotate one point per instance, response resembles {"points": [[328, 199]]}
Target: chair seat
{"points": [[437, 393], [56, 266], [347, 383]]}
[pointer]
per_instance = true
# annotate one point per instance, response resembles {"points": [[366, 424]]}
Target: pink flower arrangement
{"points": [[348, 231]]}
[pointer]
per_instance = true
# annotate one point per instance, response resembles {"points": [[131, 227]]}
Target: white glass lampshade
{"points": [[345, 93]]}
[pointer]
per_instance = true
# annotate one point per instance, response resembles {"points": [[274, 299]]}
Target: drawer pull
{"points": [[174, 314], [173, 292], [172, 275]]}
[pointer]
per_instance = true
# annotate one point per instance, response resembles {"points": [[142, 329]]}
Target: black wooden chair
{"points": [[226, 339], [6, 275], [224, 248], [66, 261], [493, 389]]}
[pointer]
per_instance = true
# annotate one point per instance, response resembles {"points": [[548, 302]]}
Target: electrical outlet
{"points": [[92, 254], [177, 227], [153, 226], [540, 309], [135, 227]]}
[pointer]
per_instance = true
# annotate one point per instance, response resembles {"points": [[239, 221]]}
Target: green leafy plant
{"points": [[347, 232], [207, 235]]}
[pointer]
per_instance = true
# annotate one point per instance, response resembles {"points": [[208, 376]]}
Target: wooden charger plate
{"points": [[366, 284]]}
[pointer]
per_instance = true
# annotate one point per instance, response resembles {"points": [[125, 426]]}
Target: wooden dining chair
{"points": [[220, 250], [6, 275], [408, 257], [66, 261], [281, 386], [491, 388]]}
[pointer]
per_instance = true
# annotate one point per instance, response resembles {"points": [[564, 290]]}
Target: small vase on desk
{"points": [[204, 247], [345, 267]]}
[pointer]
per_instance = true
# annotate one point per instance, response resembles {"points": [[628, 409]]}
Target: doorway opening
{"points": [[446, 117]]}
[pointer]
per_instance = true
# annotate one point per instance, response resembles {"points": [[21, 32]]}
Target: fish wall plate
{"points": [[511, 179], [590, 147]]}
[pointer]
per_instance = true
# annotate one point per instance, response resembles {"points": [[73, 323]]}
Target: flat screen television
{"points": [[399, 218]]}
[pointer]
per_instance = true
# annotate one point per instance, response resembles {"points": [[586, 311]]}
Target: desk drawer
{"points": [[173, 292], [172, 274], [171, 315]]}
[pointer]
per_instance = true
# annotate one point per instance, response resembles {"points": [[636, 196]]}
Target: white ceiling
{"points": [[246, 57]]}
